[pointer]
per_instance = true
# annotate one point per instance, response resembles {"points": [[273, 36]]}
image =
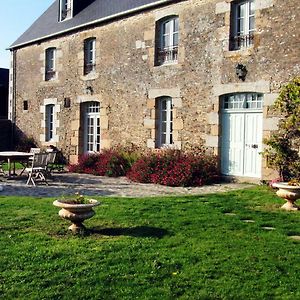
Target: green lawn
{"points": [[152, 248]]}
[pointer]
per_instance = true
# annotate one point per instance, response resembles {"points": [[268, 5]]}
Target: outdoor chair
{"points": [[26, 163], [38, 168], [51, 156], [1, 168], [35, 150]]}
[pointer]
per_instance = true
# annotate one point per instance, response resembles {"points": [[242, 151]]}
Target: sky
{"points": [[16, 16]]}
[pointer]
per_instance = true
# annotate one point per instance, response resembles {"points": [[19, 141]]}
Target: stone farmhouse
{"points": [[91, 74]]}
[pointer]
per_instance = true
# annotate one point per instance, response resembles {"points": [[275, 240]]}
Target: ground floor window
{"points": [[91, 119], [164, 122], [49, 122]]}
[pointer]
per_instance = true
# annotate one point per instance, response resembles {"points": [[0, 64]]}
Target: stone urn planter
{"points": [[76, 212], [290, 193]]}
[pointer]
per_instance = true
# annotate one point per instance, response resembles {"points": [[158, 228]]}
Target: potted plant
{"points": [[76, 209], [289, 191]]}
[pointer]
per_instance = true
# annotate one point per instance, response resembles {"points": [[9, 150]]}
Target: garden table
{"points": [[13, 157]]}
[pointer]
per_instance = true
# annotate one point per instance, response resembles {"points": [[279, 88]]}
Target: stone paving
{"points": [[69, 183]]}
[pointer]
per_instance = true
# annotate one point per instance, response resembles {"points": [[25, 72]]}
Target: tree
{"points": [[283, 147]]}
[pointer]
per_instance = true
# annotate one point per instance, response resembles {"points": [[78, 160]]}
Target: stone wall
{"points": [[126, 82]]}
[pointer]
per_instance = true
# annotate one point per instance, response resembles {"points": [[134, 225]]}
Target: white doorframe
{"points": [[242, 120]]}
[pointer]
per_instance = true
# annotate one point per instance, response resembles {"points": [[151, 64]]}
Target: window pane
{"points": [[166, 41], [166, 27], [252, 7], [176, 24], [251, 23], [163, 138], [175, 39], [241, 11]]}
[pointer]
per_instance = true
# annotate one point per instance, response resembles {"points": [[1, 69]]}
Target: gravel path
{"points": [[70, 183]]}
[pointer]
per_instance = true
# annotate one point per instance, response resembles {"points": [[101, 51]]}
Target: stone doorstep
{"points": [[295, 237]]}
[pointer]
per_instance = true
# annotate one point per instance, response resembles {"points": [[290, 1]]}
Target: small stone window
{"points": [[25, 105], [89, 56], [242, 26], [167, 33]]}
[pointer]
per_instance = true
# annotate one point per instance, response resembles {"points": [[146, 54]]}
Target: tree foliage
{"points": [[283, 147]]}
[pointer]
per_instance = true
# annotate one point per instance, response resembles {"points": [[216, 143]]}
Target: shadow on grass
{"points": [[139, 231]]}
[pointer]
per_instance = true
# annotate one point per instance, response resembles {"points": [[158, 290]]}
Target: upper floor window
{"points": [[49, 120], [242, 24], [89, 55], [167, 40], [65, 9], [164, 126], [50, 72]]}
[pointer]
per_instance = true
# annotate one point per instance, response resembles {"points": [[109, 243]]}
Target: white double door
{"points": [[241, 143]]}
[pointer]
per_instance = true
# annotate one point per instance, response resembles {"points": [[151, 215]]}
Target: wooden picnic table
{"points": [[12, 157]]}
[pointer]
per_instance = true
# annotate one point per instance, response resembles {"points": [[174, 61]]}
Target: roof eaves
{"points": [[130, 11]]}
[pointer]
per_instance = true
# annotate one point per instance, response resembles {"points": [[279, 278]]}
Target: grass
{"points": [[152, 248]]}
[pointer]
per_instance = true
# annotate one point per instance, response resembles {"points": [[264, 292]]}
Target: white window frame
{"points": [[65, 10], [50, 137], [89, 55], [49, 122], [168, 52], [165, 117], [241, 31], [50, 63], [92, 134]]}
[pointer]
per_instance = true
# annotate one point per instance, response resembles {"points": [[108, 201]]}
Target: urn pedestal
{"points": [[290, 193], [76, 213]]}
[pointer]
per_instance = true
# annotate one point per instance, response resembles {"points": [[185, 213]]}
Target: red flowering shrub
{"points": [[176, 168], [107, 163], [168, 167]]}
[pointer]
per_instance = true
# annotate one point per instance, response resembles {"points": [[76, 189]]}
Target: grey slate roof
{"points": [[98, 10]]}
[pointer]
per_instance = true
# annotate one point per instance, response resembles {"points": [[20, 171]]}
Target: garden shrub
{"points": [[107, 163], [176, 168], [166, 167], [282, 151]]}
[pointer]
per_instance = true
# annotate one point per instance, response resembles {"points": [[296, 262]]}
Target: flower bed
{"points": [[166, 167]]}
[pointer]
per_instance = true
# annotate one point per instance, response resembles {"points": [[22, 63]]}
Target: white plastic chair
{"points": [[38, 168]]}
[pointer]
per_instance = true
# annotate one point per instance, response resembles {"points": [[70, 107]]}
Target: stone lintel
{"points": [[261, 86], [155, 93]]}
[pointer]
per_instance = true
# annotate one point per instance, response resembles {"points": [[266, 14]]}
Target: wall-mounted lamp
{"points": [[241, 71], [89, 90]]}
